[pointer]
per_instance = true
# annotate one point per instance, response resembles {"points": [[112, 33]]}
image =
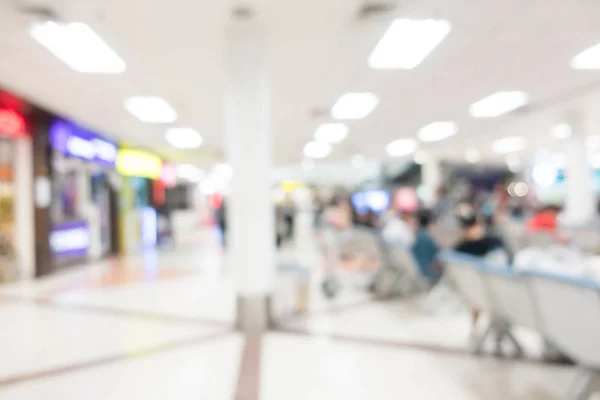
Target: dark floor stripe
{"points": [[111, 359], [427, 347], [113, 311], [248, 385]]}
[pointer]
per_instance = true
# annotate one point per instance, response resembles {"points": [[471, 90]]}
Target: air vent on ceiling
{"points": [[242, 12], [372, 9], [319, 112], [37, 9]]}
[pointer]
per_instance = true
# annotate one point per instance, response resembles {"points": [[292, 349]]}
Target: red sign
{"points": [[168, 176], [12, 124]]}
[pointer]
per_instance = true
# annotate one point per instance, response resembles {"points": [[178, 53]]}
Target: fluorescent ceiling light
{"points": [[78, 46], [587, 59], [561, 131], [421, 157], [509, 144], [183, 138], [401, 147], [316, 149], [407, 43], [437, 131], [331, 133], [354, 106], [498, 104], [472, 155], [151, 109]]}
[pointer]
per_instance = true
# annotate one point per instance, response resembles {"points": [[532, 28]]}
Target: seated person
{"points": [[399, 229], [545, 220], [476, 242], [425, 249]]}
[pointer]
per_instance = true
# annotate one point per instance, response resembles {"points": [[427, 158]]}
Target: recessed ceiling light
{"points": [[587, 59], [509, 144], [407, 42], [401, 147], [437, 131], [354, 106], [331, 133], [498, 103], [316, 149], [78, 46], [561, 131], [472, 155], [421, 157], [151, 109], [183, 138]]}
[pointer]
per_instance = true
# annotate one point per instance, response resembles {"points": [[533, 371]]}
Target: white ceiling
{"points": [[175, 49]]}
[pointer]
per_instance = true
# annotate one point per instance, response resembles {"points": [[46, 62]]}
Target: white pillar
{"points": [[431, 177], [580, 200], [23, 208], [250, 218]]}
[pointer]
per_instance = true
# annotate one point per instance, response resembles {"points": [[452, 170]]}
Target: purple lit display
{"points": [[70, 240], [72, 140]]}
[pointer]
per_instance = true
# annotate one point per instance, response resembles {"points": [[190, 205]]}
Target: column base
{"points": [[253, 315]]}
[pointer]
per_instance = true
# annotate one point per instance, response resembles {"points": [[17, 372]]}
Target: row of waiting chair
{"points": [[564, 310]]}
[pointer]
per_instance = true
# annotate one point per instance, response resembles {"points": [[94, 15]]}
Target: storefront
{"points": [[16, 195], [84, 199], [138, 219]]}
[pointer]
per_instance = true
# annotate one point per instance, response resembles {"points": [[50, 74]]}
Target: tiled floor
{"points": [[159, 327]]}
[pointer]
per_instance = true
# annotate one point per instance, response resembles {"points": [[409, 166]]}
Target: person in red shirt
{"points": [[545, 220]]}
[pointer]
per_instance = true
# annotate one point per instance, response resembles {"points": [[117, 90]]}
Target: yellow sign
{"points": [[138, 163]]}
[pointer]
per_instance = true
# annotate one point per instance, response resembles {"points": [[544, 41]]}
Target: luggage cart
{"points": [[352, 259]]}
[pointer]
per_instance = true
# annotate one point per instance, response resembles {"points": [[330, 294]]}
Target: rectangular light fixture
{"points": [[437, 131], [151, 109], [407, 42], [331, 133], [498, 104], [351, 106], [587, 59], [78, 46], [183, 138], [509, 144], [401, 147], [316, 149]]}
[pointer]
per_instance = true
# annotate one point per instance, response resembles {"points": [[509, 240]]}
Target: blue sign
{"points": [[74, 141]]}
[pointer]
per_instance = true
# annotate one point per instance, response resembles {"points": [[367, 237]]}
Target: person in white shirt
{"points": [[400, 230]]}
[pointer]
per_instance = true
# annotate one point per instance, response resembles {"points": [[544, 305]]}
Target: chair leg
{"points": [[515, 343], [583, 386], [479, 341]]}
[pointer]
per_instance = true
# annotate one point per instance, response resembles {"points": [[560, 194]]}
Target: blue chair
{"points": [[569, 313], [472, 277]]}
